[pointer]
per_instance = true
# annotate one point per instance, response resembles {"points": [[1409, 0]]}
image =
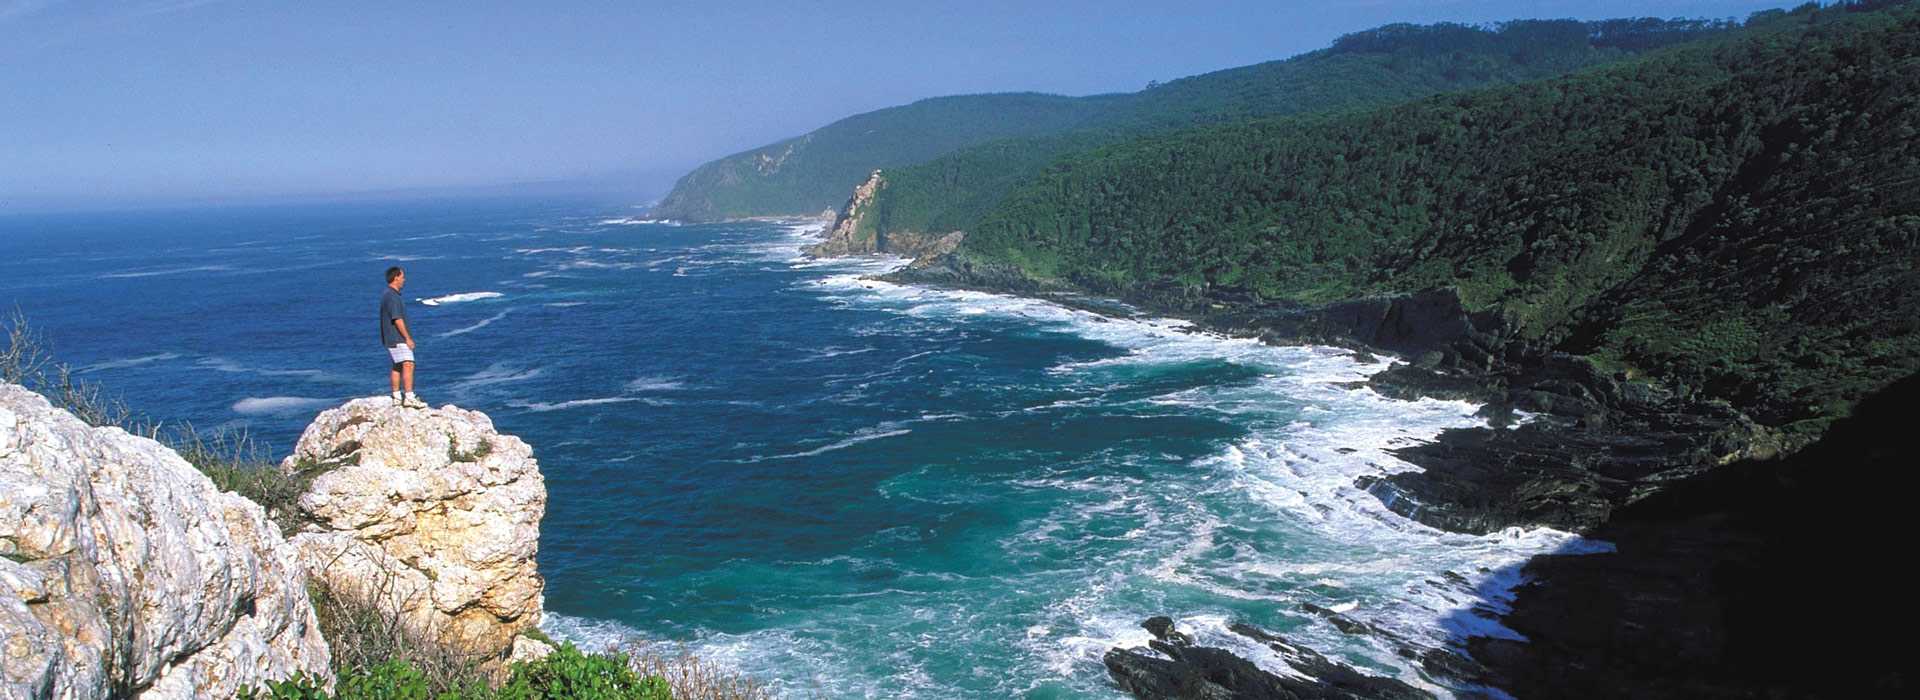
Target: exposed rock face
{"points": [[844, 237], [1194, 672], [854, 233], [126, 572], [1597, 442], [427, 513], [1762, 578]]}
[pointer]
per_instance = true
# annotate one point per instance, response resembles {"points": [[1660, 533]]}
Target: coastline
{"points": [[1408, 630], [1587, 445], [1140, 671], [1590, 442]]}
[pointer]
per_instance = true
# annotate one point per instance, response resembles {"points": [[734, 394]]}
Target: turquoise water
{"points": [[846, 488]]}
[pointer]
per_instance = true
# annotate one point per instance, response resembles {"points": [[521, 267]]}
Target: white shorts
{"points": [[400, 353]]}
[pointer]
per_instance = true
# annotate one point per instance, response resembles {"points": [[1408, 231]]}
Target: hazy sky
{"points": [[167, 100]]}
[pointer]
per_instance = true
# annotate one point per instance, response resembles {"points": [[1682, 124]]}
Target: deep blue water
{"points": [[845, 488]]}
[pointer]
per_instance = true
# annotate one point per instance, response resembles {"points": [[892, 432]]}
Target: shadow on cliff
{"points": [[1756, 579]]}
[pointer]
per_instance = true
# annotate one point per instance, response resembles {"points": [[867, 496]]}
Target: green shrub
{"points": [[391, 680], [300, 687], [394, 680], [568, 673]]}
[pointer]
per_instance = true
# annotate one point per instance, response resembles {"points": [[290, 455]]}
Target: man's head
{"points": [[396, 277]]}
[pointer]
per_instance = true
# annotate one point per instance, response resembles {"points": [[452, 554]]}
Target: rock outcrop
{"points": [[854, 232], [1762, 578], [430, 515], [124, 572], [1596, 442], [1185, 670]]}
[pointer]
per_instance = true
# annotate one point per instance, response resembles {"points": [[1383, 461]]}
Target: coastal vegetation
{"points": [[970, 150], [1737, 215], [566, 673]]}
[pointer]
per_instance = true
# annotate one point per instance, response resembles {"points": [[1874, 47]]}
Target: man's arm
{"points": [[401, 324]]}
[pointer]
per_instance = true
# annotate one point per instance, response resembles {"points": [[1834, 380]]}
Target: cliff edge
{"points": [[124, 572], [429, 515], [855, 232]]}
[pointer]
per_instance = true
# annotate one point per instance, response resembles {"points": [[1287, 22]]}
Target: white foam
{"points": [[543, 406], [597, 265], [826, 352], [656, 383], [630, 221], [879, 432], [221, 364], [590, 634], [277, 404], [477, 326], [158, 272], [498, 373], [129, 362], [459, 298]]}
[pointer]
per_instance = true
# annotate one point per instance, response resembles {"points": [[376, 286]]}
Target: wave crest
{"points": [[458, 298]]}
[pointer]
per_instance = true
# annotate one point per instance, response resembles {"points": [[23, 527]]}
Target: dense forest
{"points": [[995, 141], [1382, 66], [1740, 214], [811, 173]]}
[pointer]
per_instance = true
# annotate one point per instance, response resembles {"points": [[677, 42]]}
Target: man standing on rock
{"points": [[399, 341]]}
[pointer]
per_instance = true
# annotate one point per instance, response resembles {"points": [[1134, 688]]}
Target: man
{"points": [[398, 339]]}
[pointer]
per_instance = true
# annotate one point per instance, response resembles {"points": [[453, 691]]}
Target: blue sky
{"points": [[166, 101]]}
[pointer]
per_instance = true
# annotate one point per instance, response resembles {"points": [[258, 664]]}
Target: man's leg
{"points": [[406, 377], [393, 378]]}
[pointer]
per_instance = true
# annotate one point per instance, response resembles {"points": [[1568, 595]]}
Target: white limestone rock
{"points": [[427, 513], [128, 573]]}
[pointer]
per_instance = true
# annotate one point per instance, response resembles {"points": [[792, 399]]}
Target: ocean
{"points": [[842, 487]]}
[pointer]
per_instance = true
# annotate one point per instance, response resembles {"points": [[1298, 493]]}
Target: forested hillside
{"points": [[813, 172], [995, 141], [1739, 215], [1372, 68]]}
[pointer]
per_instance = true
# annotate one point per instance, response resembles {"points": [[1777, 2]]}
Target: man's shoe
{"points": [[413, 402], [397, 401]]}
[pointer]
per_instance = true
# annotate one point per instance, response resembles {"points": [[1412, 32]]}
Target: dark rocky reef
{"points": [[1194, 672], [1762, 578], [1595, 442]]}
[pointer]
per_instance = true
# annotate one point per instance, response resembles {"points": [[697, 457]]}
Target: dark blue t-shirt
{"points": [[391, 309]]}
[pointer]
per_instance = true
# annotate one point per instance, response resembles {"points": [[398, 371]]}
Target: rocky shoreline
{"points": [[1177, 667], [1588, 441], [1762, 578], [1591, 451]]}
